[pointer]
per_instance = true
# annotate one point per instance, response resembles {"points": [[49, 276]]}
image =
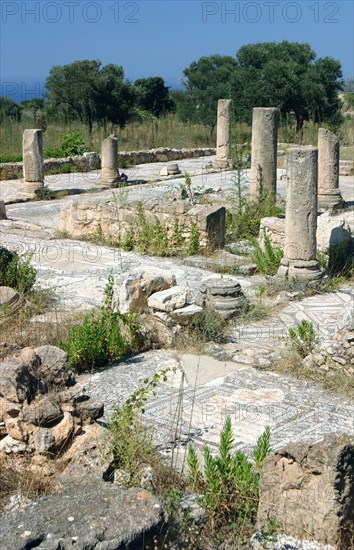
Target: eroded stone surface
{"points": [[263, 176]]}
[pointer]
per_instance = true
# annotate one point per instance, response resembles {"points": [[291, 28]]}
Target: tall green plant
{"points": [[228, 482], [267, 260], [303, 337]]}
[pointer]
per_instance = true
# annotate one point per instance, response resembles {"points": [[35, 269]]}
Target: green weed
{"points": [[303, 337], [268, 259]]}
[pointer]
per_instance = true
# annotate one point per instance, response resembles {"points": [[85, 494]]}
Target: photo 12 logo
{"points": [[69, 12], [269, 12]]}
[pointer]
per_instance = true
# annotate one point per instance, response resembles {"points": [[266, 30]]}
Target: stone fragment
{"points": [[10, 445], [33, 168], [170, 170], [301, 216], [223, 135], [109, 162], [16, 383], [43, 440], [329, 195], [309, 489], [131, 293], [63, 431], [169, 299], [186, 315], [89, 410], [263, 176], [8, 408], [42, 412], [15, 429], [222, 296], [8, 296], [54, 366]]}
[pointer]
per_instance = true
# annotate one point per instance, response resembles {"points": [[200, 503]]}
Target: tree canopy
{"points": [[285, 75], [152, 95], [92, 93]]}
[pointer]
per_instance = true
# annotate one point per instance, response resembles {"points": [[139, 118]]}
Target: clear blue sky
{"points": [[158, 38]]}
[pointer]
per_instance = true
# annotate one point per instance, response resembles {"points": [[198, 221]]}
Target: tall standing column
{"points": [[301, 216], [109, 162], [223, 135], [329, 195], [263, 177], [33, 168]]}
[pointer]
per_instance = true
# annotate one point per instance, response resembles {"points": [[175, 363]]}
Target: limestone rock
{"points": [[8, 408], [15, 429], [43, 440], [89, 410], [16, 383], [92, 513], [309, 489], [42, 412], [63, 431], [10, 445], [185, 315], [8, 296], [169, 299], [54, 366], [132, 292]]}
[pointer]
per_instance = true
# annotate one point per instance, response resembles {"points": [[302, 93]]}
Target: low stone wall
{"points": [[113, 220], [92, 161]]}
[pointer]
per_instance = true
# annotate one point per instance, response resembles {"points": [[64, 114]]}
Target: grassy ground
{"points": [[166, 131]]}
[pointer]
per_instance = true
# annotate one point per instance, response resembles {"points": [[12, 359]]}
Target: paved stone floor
{"points": [[198, 396]]}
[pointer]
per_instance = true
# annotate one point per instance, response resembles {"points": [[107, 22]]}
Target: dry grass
{"points": [[337, 381], [17, 477], [17, 327]]}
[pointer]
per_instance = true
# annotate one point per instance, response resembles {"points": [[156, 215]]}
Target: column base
{"points": [[109, 179], [32, 186], [331, 200], [305, 270], [223, 164]]}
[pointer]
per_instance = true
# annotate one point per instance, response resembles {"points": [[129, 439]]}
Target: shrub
{"points": [[267, 260], [193, 245], [228, 484], [45, 193], [303, 337], [100, 339], [132, 442], [72, 143], [242, 221], [16, 272]]}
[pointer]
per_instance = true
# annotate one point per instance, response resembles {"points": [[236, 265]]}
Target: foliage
{"points": [[285, 75], [45, 193], [303, 337], [193, 245], [9, 109], [268, 259], [17, 273], [87, 91], [229, 482], [72, 143], [243, 220], [100, 339], [206, 81], [208, 326], [132, 442], [152, 95]]}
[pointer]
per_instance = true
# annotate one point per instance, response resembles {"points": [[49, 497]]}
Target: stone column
{"points": [[301, 216], [109, 162], [33, 168], [329, 195], [223, 135], [263, 177]]}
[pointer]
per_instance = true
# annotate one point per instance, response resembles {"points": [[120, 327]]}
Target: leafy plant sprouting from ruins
{"points": [[228, 483], [268, 259], [131, 441], [193, 245], [16, 272], [303, 337], [100, 339]]}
